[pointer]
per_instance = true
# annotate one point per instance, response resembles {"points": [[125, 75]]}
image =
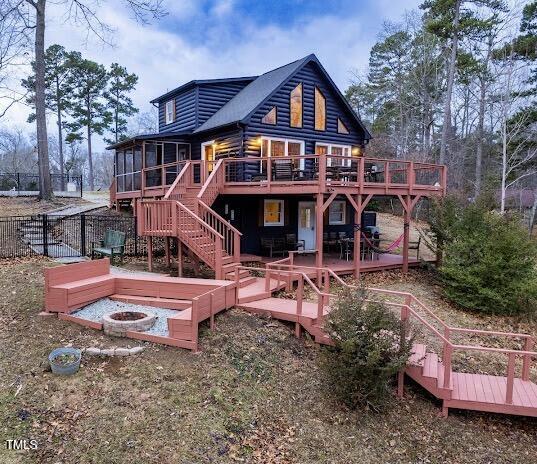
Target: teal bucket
{"points": [[65, 369]]}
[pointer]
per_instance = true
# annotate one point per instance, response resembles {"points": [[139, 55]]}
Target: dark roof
{"points": [[241, 107], [201, 82], [158, 136]]}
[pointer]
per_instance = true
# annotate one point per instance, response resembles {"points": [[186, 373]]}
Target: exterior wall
{"points": [[193, 106], [310, 77], [185, 112], [248, 218]]}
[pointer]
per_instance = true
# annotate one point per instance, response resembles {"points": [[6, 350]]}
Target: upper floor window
{"points": [[270, 117], [320, 110], [296, 106], [170, 111], [341, 127]]}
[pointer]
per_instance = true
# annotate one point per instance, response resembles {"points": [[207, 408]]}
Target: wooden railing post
{"points": [[326, 287], [269, 171], [361, 174], [267, 279], [447, 354], [299, 299], [526, 360], [218, 258], [322, 173], [411, 176], [387, 175], [236, 247], [194, 323], [510, 378]]}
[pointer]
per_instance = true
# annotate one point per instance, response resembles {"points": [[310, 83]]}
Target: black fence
{"points": [[23, 183], [65, 237]]}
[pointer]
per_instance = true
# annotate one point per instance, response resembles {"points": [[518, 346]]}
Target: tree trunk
{"points": [[90, 162], [481, 121], [533, 212], [504, 164], [60, 135], [45, 188], [446, 126]]}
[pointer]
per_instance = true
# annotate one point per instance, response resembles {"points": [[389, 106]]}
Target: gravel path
{"points": [[95, 311]]}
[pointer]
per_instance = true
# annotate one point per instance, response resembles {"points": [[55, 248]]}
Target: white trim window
{"points": [[337, 213], [333, 149], [273, 148], [169, 111], [273, 212]]}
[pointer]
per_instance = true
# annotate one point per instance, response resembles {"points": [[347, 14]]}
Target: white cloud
{"points": [[164, 59]]}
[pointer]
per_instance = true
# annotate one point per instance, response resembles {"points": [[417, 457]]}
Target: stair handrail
{"points": [[232, 236], [177, 180], [212, 181]]}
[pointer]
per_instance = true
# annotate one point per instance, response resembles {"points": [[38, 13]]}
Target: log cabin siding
{"points": [[185, 112], [211, 97], [310, 77]]}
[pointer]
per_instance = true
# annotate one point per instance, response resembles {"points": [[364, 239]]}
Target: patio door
{"points": [[306, 224], [208, 153]]}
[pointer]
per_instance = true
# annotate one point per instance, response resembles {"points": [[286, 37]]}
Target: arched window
{"points": [[296, 106]]}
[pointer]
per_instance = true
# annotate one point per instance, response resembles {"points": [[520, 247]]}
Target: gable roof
{"points": [[241, 107], [196, 82]]}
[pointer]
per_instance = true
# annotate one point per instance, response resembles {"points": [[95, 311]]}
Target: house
{"points": [[253, 164]]}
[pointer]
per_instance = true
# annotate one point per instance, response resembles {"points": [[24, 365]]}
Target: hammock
{"points": [[392, 246]]}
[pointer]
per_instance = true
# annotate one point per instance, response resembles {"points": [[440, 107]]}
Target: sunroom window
{"points": [[273, 213], [296, 106], [336, 213], [170, 111]]}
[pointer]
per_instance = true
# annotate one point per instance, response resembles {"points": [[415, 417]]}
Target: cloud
{"points": [[164, 55]]}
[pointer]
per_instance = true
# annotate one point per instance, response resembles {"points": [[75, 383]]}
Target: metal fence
{"points": [[20, 183], [63, 237]]}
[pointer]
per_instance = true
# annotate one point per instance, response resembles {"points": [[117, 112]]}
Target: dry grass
{"points": [[26, 206], [252, 395]]}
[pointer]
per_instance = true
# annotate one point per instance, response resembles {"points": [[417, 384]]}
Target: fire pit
{"points": [[118, 323]]}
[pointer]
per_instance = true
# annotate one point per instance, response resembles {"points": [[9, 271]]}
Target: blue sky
{"points": [[203, 39]]}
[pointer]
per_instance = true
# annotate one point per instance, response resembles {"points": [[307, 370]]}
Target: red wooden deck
{"points": [[75, 285]]}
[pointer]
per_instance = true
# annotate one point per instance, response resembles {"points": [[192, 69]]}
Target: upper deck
{"points": [[304, 174]]}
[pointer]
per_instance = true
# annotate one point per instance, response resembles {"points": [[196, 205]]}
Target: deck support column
{"points": [[150, 253], [167, 251], [179, 258], [319, 231], [357, 236], [406, 232]]}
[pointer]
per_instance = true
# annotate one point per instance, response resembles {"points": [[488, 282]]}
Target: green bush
{"points": [[489, 263], [367, 353]]}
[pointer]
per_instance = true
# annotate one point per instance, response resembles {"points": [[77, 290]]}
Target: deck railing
{"points": [[333, 171], [171, 218], [213, 185], [408, 310]]}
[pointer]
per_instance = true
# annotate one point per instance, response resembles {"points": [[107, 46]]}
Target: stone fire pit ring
{"points": [[119, 323]]}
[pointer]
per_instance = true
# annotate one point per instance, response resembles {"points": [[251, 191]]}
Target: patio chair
{"points": [[415, 246], [292, 244], [282, 170], [273, 246], [112, 245]]}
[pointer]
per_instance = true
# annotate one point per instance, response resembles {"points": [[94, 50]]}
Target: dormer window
{"points": [[170, 111], [320, 110], [270, 117], [341, 127], [296, 106]]}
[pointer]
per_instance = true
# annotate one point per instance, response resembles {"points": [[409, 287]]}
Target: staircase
{"points": [[509, 394], [185, 213]]}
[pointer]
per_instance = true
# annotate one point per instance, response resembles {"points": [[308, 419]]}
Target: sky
{"points": [[205, 39]]}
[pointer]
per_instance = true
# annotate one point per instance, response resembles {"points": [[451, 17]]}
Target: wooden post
{"points": [[510, 379], [150, 253], [526, 360], [322, 173], [357, 237], [211, 309], [406, 233], [194, 323], [179, 258], [167, 250], [319, 230], [299, 297]]}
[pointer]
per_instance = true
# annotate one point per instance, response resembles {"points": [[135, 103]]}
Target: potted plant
{"points": [[65, 361]]}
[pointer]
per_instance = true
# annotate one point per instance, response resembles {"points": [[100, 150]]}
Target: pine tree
{"points": [[119, 104], [57, 92], [88, 109]]}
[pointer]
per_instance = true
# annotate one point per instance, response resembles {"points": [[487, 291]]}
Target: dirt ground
{"points": [[26, 206], [253, 394]]}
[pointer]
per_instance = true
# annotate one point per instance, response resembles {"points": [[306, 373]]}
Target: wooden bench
{"points": [[112, 245]]}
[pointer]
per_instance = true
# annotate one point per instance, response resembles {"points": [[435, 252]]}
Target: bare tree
{"points": [[27, 17]]}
